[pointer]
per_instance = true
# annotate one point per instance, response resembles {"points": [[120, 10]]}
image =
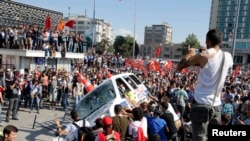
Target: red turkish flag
{"points": [[56, 27], [170, 64], [158, 51], [70, 23], [48, 22], [236, 71]]}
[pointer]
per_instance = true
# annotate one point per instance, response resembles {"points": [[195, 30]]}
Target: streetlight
{"points": [[93, 32], [134, 31], [235, 28]]}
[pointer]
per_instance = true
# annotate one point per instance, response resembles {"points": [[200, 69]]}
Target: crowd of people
{"points": [[167, 116], [30, 37]]}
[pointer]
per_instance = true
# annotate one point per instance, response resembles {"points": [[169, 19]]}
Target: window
{"points": [[231, 19], [130, 81], [96, 99], [246, 36], [137, 81], [166, 55], [238, 59], [222, 13], [80, 22]]}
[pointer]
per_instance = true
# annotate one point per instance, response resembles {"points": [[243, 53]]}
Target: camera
{"points": [[57, 134]]}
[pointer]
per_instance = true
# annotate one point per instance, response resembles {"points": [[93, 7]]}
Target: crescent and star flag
{"points": [[70, 23], [48, 22]]}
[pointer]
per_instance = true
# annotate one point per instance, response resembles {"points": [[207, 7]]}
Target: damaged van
{"points": [[125, 89]]}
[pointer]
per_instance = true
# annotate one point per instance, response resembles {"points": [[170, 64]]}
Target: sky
{"points": [[185, 16]]}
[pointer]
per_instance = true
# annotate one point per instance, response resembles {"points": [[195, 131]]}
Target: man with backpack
{"points": [[108, 133], [71, 129], [138, 128], [181, 97]]}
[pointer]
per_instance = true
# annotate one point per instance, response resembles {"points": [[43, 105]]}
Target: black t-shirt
{"points": [[12, 93], [169, 118]]}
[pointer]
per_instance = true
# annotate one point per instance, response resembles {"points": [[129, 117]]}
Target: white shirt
{"points": [[207, 77], [171, 110], [132, 130], [72, 129]]}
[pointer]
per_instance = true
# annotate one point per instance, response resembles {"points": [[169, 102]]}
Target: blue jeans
{"points": [[70, 45], [78, 98], [36, 101], [56, 45], [48, 51], [65, 101], [13, 104]]}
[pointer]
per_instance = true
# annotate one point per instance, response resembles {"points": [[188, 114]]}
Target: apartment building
{"points": [[158, 34], [232, 17], [88, 27]]}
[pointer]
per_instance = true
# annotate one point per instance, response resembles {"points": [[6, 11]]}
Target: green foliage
{"points": [[191, 41], [89, 42], [103, 45], [124, 46]]}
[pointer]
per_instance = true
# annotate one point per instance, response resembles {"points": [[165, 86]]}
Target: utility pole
{"points": [[134, 30], [235, 28]]}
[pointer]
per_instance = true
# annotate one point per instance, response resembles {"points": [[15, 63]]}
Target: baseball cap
{"points": [[107, 120]]}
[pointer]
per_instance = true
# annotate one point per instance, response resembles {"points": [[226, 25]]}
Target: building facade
{"points": [[13, 14], [158, 34], [226, 16], [168, 51], [89, 27]]}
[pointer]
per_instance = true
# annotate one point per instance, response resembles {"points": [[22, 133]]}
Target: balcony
{"points": [[38, 53]]}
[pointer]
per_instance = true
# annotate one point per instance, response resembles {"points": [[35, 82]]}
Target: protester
{"points": [[108, 132], [71, 129], [9, 133], [214, 65]]}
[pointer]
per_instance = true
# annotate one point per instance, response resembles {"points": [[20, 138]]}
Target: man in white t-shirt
{"points": [[211, 80], [71, 129], [139, 121]]}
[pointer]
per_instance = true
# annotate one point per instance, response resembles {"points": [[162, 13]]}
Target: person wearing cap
{"points": [[107, 130]]}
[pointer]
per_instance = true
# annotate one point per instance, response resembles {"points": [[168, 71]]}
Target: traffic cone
{"points": [[88, 86]]}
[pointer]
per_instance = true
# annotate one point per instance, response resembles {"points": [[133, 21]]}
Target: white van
{"points": [[104, 97]]}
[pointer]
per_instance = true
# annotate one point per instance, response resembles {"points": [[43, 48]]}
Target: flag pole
{"points": [[134, 30]]}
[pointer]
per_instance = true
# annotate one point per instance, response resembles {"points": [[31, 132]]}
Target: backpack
{"points": [[83, 130], [110, 137], [140, 134]]}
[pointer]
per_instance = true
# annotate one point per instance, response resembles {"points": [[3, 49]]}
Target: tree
{"points": [[124, 46], [191, 41], [89, 42], [103, 45]]}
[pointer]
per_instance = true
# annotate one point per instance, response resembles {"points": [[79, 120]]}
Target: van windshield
{"points": [[96, 99]]}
